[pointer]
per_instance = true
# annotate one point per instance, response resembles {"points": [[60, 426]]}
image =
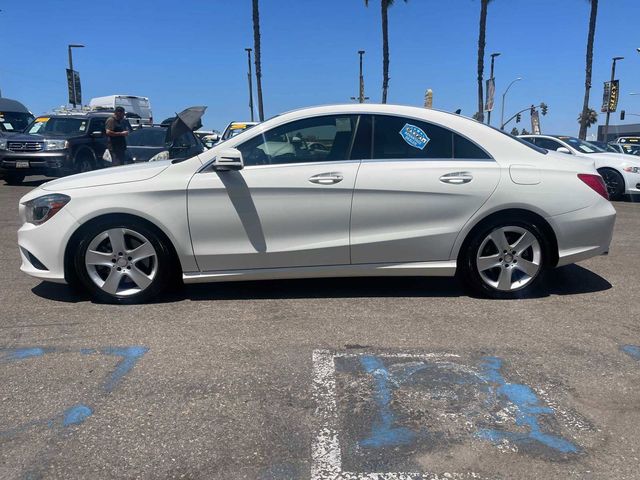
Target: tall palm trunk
{"points": [[385, 49], [481, 45], [256, 47], [587, 82]]}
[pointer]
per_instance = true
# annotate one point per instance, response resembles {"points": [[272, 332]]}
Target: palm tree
{"points": [[384, 5], [584, 116], [589, 119], [484, 4], [256, 47]]}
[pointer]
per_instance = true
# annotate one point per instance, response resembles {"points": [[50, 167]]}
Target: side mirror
{"points": [[229, 159], [96, 134], [564, 150]]}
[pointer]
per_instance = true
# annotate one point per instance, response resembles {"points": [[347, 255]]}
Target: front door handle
{"points": [[328, 178], [456, 178]]}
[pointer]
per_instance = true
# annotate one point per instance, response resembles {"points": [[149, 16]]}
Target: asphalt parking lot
{"points": [[326, 379]]}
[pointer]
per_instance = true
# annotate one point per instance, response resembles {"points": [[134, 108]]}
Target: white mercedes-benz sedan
{"points": [[333, 191]]}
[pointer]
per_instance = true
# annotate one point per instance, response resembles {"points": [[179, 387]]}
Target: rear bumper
{"points": [[584, 233]]}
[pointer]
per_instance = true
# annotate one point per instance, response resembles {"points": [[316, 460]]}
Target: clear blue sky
{"points": [[192, 52]]}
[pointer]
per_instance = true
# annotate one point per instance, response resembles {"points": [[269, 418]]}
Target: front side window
{"points": [[548, 143], [316, 139], [14, 121]]}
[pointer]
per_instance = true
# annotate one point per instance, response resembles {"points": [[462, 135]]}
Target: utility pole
{"points": [[361, 95], [250, 84], [613, 76], [493, 59], [503, 97]]}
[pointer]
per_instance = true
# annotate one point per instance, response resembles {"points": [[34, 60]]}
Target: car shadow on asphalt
{"points": [[569, 280]]}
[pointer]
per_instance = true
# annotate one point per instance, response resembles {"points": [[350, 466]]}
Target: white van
{"points": [[138, 109]]}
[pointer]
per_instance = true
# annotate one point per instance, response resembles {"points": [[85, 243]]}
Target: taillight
{"points": [[595, 182]]}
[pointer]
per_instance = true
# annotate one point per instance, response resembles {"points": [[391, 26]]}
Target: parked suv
{"points": [[55, 145]]}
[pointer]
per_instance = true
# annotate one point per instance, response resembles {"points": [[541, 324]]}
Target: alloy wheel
{"points": [[509, 258], [121, 261]]}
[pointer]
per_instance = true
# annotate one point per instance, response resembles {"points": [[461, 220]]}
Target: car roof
{"points": [[9, 105], [75, 115]]}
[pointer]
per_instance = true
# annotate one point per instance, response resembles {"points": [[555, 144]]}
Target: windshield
{"points": [[14, 121], [581, 145], [58, 126]]}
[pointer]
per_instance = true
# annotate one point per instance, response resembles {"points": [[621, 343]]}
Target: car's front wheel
{"points": [[123, 262], [505, 259]]}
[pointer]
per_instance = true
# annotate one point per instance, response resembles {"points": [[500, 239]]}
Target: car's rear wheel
{"points": [[505, 259], [123, 262], [13, 178], [614, 182]]}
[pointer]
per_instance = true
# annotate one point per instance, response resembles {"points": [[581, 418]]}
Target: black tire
{"points": [[469, 274], [163, 268], [614, 182], [84, 162], [13, 178]]}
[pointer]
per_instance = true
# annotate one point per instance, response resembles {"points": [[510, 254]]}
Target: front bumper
{"points": [[42, 247], [632, 182], [54, 164], [584, 233]]}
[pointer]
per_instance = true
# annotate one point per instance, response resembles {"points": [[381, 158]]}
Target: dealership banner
{"points": [[610, 97], [73, 80], [491, 93]]}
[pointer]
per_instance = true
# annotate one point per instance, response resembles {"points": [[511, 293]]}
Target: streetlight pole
{"points": [[250, 83], [613, 76], [503, 97], [73, 79], [493, 59]]}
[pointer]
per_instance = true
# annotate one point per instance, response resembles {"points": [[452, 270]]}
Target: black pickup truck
{"points": [[55, 145]]}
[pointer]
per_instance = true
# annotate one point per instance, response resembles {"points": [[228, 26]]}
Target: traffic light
{"points": [[544, 108], [518, 118], [622, 114]]}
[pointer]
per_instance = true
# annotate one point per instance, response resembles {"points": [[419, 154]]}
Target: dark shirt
{"points": [[115, 125]]}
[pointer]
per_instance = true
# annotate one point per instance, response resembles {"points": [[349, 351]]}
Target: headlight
{"points": [[41, 209], [3, 144], [164, 155], [55, 144], [632, 169]]}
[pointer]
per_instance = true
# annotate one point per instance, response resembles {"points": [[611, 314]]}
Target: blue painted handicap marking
{"points": [[631, 350], [414, 136], [79, 412]]}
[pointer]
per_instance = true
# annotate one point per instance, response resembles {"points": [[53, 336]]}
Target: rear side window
{"points": [[398, 137], [466, 149]]}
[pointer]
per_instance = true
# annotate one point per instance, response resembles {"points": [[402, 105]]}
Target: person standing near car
{"points": [[117, 129]]}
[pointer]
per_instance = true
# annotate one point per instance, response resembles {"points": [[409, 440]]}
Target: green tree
{"points": [[588, 120], [256, 48], [384, 5], [514, 131], [524, 132], [584, 116], [484, 4]]}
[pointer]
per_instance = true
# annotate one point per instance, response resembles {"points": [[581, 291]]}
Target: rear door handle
{"points": [[456, 178], [328, 178]]}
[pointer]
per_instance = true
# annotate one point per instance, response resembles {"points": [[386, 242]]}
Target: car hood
{"points": [[108, 176], [632, 160], [26, 137]]}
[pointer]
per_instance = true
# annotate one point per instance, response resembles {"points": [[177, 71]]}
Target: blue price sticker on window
{"points": [[414, 136]]}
